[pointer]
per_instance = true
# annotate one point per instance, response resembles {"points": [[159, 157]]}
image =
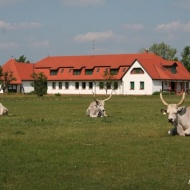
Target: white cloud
{"points": [[134, 27], [174, 26], [90, 36], [5, 25], [15, 26], [83, 3], [8, 45]]}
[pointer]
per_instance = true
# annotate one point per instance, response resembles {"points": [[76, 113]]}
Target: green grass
{"points": [[49, 143]]}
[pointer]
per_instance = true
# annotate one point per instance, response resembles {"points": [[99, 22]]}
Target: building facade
{"points": [[122, 74]]}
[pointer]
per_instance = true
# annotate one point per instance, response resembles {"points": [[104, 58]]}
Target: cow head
{"points": [[172, 109], [100, 105]]}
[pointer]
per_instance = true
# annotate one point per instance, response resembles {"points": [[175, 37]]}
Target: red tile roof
{"points": [[21, 71], [155, 66]]}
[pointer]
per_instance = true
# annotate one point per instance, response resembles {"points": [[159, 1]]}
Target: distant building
{"points": [[131, 74]]}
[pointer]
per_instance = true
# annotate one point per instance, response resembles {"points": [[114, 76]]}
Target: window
{"points": [[113, 71], [108, 85], [60, 85], [141, 85], [90, 85], [12, 86], [132, 85], [115, 85], [61, 71], [67, 85], [101, 85], [76, 72], [88, 71], [174, 69], [53, 85], [76, 85], [97, 70], [137, 71], [83, 85], [53, 72]]}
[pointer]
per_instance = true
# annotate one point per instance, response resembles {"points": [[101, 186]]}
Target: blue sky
{"points": [[41, 28]]}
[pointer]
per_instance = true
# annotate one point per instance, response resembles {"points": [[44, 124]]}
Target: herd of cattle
{"points": [[179, 117]]}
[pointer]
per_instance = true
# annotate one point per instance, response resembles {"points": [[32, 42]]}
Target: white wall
{"points": [[137, 78], [27, 86], [157, 85], [72, 90]]}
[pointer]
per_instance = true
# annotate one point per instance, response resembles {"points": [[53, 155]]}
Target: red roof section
{"points": [[154, 65], [21, 71]]}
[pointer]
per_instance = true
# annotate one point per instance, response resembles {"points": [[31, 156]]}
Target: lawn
{"points": [[49, 143]]}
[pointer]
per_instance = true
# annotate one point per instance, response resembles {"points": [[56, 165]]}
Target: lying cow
{"points": [[96, 108], [179, 117], [3, 110]]}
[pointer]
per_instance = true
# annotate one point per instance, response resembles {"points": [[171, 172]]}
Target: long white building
{"points": [[126, 74]]}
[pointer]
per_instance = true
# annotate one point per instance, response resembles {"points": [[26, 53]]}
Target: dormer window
{"points": [[76, 72], [88, 71], [174, 69], [113, 71], [137, 71], [53, 72]]}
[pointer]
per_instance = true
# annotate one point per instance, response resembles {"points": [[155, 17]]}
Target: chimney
{"points": [[146, 50]]}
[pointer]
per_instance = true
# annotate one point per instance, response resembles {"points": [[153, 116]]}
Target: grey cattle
{"points": [[3, 110], [96, 108], [179, 117]]}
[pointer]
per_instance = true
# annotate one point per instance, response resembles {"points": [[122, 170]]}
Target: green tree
{"points": [[5, 79], [22, 59], [39, 83], [109, 80], [163, 50], [186, 57]]}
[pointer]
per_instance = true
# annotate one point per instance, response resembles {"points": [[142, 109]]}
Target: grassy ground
{"points": [[49, 143]]}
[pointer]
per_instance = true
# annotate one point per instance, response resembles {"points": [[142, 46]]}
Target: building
{"points": [[22, 72], [128, 74]]}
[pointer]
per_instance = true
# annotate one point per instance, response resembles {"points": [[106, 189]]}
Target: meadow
{"points": [[49, 143]]}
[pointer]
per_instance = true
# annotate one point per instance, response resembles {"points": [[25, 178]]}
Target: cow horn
{"points": [[95, 97], [162, 99], [182, 99], [108, 97]]}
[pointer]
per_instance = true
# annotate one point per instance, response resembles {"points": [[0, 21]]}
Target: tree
{"points": [[163, 50], [22, 59], [109, 80], [39, 84], [186, 57], [5, 79]]}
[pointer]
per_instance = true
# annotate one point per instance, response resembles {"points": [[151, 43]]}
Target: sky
{"points": [[41, 28]]}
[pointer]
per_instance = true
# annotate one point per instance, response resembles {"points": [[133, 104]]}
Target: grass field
{"points": [[49, 143]]}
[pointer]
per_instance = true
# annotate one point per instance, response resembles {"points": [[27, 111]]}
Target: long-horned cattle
{"points": [[179, 117], [96, 108], [3, 110]]}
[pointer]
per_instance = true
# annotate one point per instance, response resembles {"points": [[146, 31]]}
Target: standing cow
{"points": [[179, 117], [96, 108], [3, 110]]}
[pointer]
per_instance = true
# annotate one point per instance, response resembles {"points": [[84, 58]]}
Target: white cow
{"points": [[96, 108], [179, 117], [3, 110]]}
